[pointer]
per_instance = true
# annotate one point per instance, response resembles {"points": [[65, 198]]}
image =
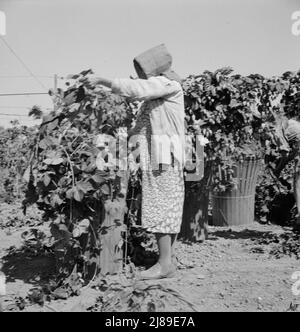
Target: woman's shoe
{"points": [[158, 272]]}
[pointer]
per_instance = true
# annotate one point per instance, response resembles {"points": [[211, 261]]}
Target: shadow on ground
{"points": [[245, 234], [23, 265]]}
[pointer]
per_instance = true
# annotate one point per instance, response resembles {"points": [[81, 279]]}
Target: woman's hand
{"points": [[90, 80], [94, 81]]}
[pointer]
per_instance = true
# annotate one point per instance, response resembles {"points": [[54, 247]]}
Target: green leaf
{"points": [[105, 189], [86, 72], [98, 178], [81, 228], [84, 186], [56, 200], [45, 143], [26, 175], [46, 180], [48, 118], [78, 195], [70, 194], [54, 161], [72, 77], [52, 125]]}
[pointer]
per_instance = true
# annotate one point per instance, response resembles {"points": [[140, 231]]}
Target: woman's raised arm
{"points": [[140, 89]]}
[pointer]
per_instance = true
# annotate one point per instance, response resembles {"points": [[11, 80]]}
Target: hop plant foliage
{"points": [[15, 145], [63, 177], [240, 117], [237, 115]]}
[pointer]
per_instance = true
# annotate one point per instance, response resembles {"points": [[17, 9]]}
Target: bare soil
{"points": [[231, 271]]}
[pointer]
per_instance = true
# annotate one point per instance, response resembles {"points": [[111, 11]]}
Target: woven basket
{"points": [[236, 207]]}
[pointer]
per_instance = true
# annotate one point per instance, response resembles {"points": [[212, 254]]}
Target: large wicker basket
{"points": [[236, 207]]}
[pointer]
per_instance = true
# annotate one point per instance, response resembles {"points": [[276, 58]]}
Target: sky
{"points": [[67, 36]]}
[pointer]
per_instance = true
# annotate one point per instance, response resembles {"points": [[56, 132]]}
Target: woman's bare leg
{"points": [[164, 267], [173, 247], [164, 242]]}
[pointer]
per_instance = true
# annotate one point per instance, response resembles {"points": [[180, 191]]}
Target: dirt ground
{"points": [[231, 271]]}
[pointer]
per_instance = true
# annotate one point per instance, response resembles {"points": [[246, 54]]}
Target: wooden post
{"points": [[111, 256], [195, 212], [111, 230], [55, 82], [55, 91]]}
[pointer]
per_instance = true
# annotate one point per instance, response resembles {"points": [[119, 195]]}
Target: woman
{"points": [[160, 133], [288, 138]]}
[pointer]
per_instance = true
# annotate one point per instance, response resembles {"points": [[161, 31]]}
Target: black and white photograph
{"points": [[149, 158]]}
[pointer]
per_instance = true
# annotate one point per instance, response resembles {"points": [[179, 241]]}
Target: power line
{"points": [[22, 62], [23, 94], [20, 76], [21, 107], [6, 114]]}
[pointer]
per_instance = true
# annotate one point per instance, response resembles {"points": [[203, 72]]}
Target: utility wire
{"points": [[23, 94], [20, 76], [5, 114], [22, 62], [21, 107]]}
